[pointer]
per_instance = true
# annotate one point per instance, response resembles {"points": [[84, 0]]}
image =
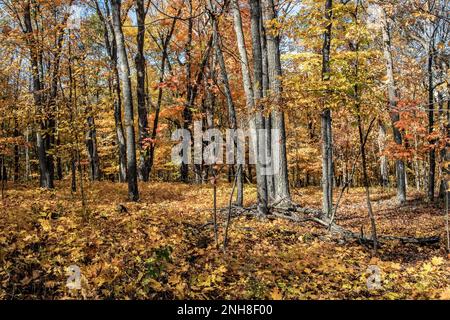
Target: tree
{"points": [[124, 75], [43, 140], [230, 103], [109, 38], [327, 146], [393, 101], [144, 163], [255, 121], [282, 194]]}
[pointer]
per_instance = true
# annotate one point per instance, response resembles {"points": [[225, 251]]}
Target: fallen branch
{"points": [[317, 216]]}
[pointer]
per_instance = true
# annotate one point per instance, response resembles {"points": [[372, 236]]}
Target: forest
{"points": [[224, 149]]}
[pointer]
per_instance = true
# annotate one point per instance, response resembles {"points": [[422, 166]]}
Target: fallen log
{"points": [[318, 217]]}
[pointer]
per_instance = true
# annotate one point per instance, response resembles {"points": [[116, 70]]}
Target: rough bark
{"points": [[282, 193], [261, 156]]}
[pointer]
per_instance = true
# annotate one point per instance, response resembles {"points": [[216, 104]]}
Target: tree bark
{"points": [[144, 165], [250, 102], [42, 138], [187, 112], [393, 100], [432, 152], [231, 108], [92, 147], [327, 147], [282, 193], [124, 74], [111, 48], [262, 157], [384, 170]]}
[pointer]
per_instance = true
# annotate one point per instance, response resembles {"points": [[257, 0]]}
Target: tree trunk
{"points": [[91, 144], [393, 100], [327, 148], [144, 165], [443, 152], [27, 155], [111, 48], [249, 96], [366, 184], [327, 163], [16, 154], [432, 152], [42, 138], [231, 109], [124, 74], [384, 170], [261, 157], [282, 194]]}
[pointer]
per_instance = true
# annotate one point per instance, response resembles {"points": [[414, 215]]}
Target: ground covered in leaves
{"points": [[163, 247]]}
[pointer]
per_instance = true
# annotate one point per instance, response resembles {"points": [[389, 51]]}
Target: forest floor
{"points": [[164, 248]]}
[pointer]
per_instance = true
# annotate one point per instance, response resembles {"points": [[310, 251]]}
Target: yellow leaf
{"points": [[445, 295], [46, 226], [427, 267], [437, 261], [276, 294]]}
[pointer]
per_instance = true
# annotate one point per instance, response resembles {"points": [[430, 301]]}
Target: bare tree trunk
{"points": [[120, 135], [16, 153], [231, 109], [366, 184], [270, 181], [261, 130], [27, 154], [393, 100], [112, 52], [187, 113], [249, 95], [432, 152], [327, 163], [42, 138], [327, 147], [91, 144], [124, 74], [446, 159], [144, 165], [357, 97], [282, 193], [384, 170], [443, 152]]}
